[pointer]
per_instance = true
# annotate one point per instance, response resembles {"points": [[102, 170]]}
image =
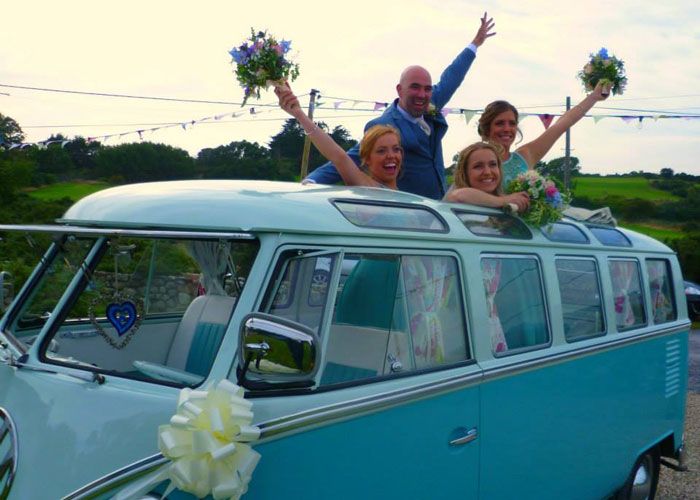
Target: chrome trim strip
{"points": [[113, 479], [275, 428], [363, 405], [93, 231]]}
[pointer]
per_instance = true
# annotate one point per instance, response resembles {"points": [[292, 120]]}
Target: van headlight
{"points": [[692, 290]]}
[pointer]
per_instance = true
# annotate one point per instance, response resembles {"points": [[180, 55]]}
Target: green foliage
{"points": [[144, 162], [70, 190], [10, 131], [556, 168], [688, 250], [239, 160], [598, 188], [16, 172]]}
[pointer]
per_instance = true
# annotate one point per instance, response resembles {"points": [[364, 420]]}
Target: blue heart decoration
{"points": [[122, 316]]}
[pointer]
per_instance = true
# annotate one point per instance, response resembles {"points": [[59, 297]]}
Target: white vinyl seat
{"points": [[196, 341]]}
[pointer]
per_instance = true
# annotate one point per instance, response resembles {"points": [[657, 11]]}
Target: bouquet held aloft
{"points": [[262, 61]]}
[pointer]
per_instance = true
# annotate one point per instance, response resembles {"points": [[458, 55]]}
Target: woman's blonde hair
{"points": [[371, 137], [461, 177]]}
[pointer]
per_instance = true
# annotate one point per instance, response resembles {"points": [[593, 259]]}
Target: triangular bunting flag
{"points": [[546, 120], [445, 111], [379, 105], [337, 104], [468, 115], [627, 119], [597, 118]]}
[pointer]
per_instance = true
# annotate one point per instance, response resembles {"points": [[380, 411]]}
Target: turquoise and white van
{"points": [[382, 345]]}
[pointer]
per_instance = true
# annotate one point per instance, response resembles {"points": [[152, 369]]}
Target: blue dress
{"points": [[511, 168]]}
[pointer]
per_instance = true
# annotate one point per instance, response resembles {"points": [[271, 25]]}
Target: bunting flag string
{"points": [[343, 104]]}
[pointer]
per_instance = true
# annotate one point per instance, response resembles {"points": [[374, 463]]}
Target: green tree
{"points": [[238, 160], [16, 171], [666, 173], [10, 131], [143, 162], [555, 168], [288, 144]]}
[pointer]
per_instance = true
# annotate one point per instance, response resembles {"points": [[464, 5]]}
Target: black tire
{"points": [[643, 479]]}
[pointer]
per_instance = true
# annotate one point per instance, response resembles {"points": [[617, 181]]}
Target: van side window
{"points": [[581, 300], [663, 308], [301, 288], [148, 308], [628, 298], [517, 318], [394, 314]]}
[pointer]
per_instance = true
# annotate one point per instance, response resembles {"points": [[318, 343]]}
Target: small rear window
{"points": [[497, 225], [391, 216], [610, 237], [565, 233]]}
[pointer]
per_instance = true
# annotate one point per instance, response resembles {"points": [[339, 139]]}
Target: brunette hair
{"points": [[491, 112], [372, 136], [461, 177]]}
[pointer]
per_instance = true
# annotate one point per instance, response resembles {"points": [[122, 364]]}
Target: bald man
{"points": [[421, 130]]}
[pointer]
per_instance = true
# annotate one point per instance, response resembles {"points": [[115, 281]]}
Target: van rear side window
{"points": [[581, 300], [517, 318], [627, 294], [663, 306]]}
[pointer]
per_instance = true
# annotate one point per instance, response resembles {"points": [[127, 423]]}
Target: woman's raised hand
{"points": [[288, 101], [601, 91], [520, 199]]}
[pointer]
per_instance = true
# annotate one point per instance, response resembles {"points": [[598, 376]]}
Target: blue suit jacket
{"points": [[423, 164]]}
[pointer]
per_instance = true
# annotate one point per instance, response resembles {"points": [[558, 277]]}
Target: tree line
{"points": [[79, 159]]}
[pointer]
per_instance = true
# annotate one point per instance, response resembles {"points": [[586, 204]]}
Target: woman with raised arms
{"points": [[380, 148], [499, 124]]}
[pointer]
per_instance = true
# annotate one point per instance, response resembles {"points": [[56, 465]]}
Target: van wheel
{"points": [[643, 480]]}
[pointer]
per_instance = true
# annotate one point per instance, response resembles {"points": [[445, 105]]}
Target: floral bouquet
{"points": [[547, 202], [604, 68], [261, 61]]}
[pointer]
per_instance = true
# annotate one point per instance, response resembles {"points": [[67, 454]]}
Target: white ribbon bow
{"points": [[206, 442]]}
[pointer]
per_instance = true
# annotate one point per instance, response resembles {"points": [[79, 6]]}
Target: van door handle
{"points": [[468, 437]]}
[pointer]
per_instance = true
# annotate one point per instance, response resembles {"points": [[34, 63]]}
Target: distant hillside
{"points": [[626, 187]]}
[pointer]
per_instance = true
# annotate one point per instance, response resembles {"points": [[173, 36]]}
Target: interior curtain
{"points": [[491, 272], [622, 273], [212, 257]]}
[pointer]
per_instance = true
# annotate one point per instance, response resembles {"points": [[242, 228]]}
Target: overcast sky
{"points": [[354, 51]]}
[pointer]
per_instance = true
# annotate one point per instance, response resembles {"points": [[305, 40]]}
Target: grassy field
{"points": [[655, 231], [627, 187], [72, 190]]}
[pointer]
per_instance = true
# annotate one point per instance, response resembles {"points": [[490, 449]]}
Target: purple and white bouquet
{"points": [[262, 61], [547, 201], [605, 68]]}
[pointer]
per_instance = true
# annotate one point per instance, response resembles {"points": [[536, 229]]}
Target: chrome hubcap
{"points": [[641, 486]]}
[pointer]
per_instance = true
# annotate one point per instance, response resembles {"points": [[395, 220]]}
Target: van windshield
{"points": [[140, 307]]}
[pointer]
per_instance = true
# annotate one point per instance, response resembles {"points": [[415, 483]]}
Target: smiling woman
{"points": [[478, 179], [380, 148]]}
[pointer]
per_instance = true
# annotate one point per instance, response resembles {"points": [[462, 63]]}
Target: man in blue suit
{"points": [[416, 114]]}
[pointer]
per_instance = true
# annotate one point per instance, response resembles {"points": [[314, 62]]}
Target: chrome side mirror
{"points": [[276, 349]]}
